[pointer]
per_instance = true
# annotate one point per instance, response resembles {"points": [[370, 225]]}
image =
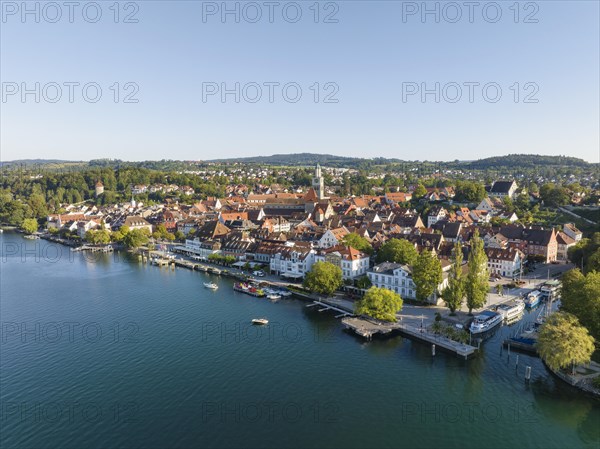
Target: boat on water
{"points": [[533, 298], [274, 296], [260, 321], [512, 310], [249, 289], [485, 321], [284, 292], [211, 285]]}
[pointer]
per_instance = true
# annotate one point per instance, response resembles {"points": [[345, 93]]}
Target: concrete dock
{"points": [[368, 328]]}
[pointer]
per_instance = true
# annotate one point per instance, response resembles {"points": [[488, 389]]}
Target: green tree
{"points": [[38, 205], [180, 235], [562, 341], [580, 296], [397, 250], [358, 242], [160, 232], [586, 253], [553, 195], [469, 191], [426, 274], [379, 303], [455, 292], [30, 225], [363, 282], [522, 201], [420, 191], [324, 278], [477, 284], [136, 238]]}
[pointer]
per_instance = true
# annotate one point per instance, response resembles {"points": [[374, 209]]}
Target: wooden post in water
{"points": [[517, 362], [509, 349], [433, 350], [527, 373]]}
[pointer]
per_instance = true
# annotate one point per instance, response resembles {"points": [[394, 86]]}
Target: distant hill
{"points": [[509, 161], [28, 162], [526, 161], [295, 159]]}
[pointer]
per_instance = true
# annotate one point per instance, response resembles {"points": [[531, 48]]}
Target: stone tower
{"points": [[318, 184]]}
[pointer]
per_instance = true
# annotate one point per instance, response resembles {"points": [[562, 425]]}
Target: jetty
{"points": [[367, 328], [94, 249], [326, 306]]}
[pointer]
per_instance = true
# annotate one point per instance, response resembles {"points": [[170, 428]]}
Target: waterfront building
{"points": [[398, 278], [352, 262]]}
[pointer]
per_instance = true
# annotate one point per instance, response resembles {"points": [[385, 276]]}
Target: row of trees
{"points": [[474, 286], [132, 238]]}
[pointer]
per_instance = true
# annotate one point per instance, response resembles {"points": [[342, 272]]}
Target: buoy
{"points": [[527, 373], [432, 349]]}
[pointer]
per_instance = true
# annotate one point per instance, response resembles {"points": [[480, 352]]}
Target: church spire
{"points": [[318, 183]]}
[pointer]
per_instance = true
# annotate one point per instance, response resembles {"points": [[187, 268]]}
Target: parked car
{"points": [[259, 273]]}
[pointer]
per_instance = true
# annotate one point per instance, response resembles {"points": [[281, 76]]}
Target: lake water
{"points": [[104, 351]]}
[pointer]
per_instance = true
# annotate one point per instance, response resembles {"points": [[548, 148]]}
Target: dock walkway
{"points": [[367, 328]]}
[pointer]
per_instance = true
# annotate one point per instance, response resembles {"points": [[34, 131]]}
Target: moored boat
{"points": [[260, 321], [511, 310], [485, 321], [533, 298], [274, 296]]}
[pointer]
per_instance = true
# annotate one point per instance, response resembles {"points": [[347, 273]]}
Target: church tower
{"points": [[318, 184]]}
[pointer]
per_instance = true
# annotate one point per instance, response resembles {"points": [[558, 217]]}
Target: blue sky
{"points": [[369, 58]]}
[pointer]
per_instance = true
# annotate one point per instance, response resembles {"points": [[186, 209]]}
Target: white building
{"points": [[504, 262], [200, 249], [332, 237], [352, 262], [572, 231], [503, 189], [436, 214], [293, 262], [398, 278]]}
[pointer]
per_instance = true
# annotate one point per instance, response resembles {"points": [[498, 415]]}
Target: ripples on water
{"points": [[177, 365]]}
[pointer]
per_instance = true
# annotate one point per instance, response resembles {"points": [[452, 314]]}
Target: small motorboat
{"points": [[274, 296], [260, 321], [211, 285]]}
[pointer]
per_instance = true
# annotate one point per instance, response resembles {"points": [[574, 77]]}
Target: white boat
{"points": [[511, 310], [211, 285], [485, 321], [285, 293], [533, 298], [260, 321], [274, 296]]}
